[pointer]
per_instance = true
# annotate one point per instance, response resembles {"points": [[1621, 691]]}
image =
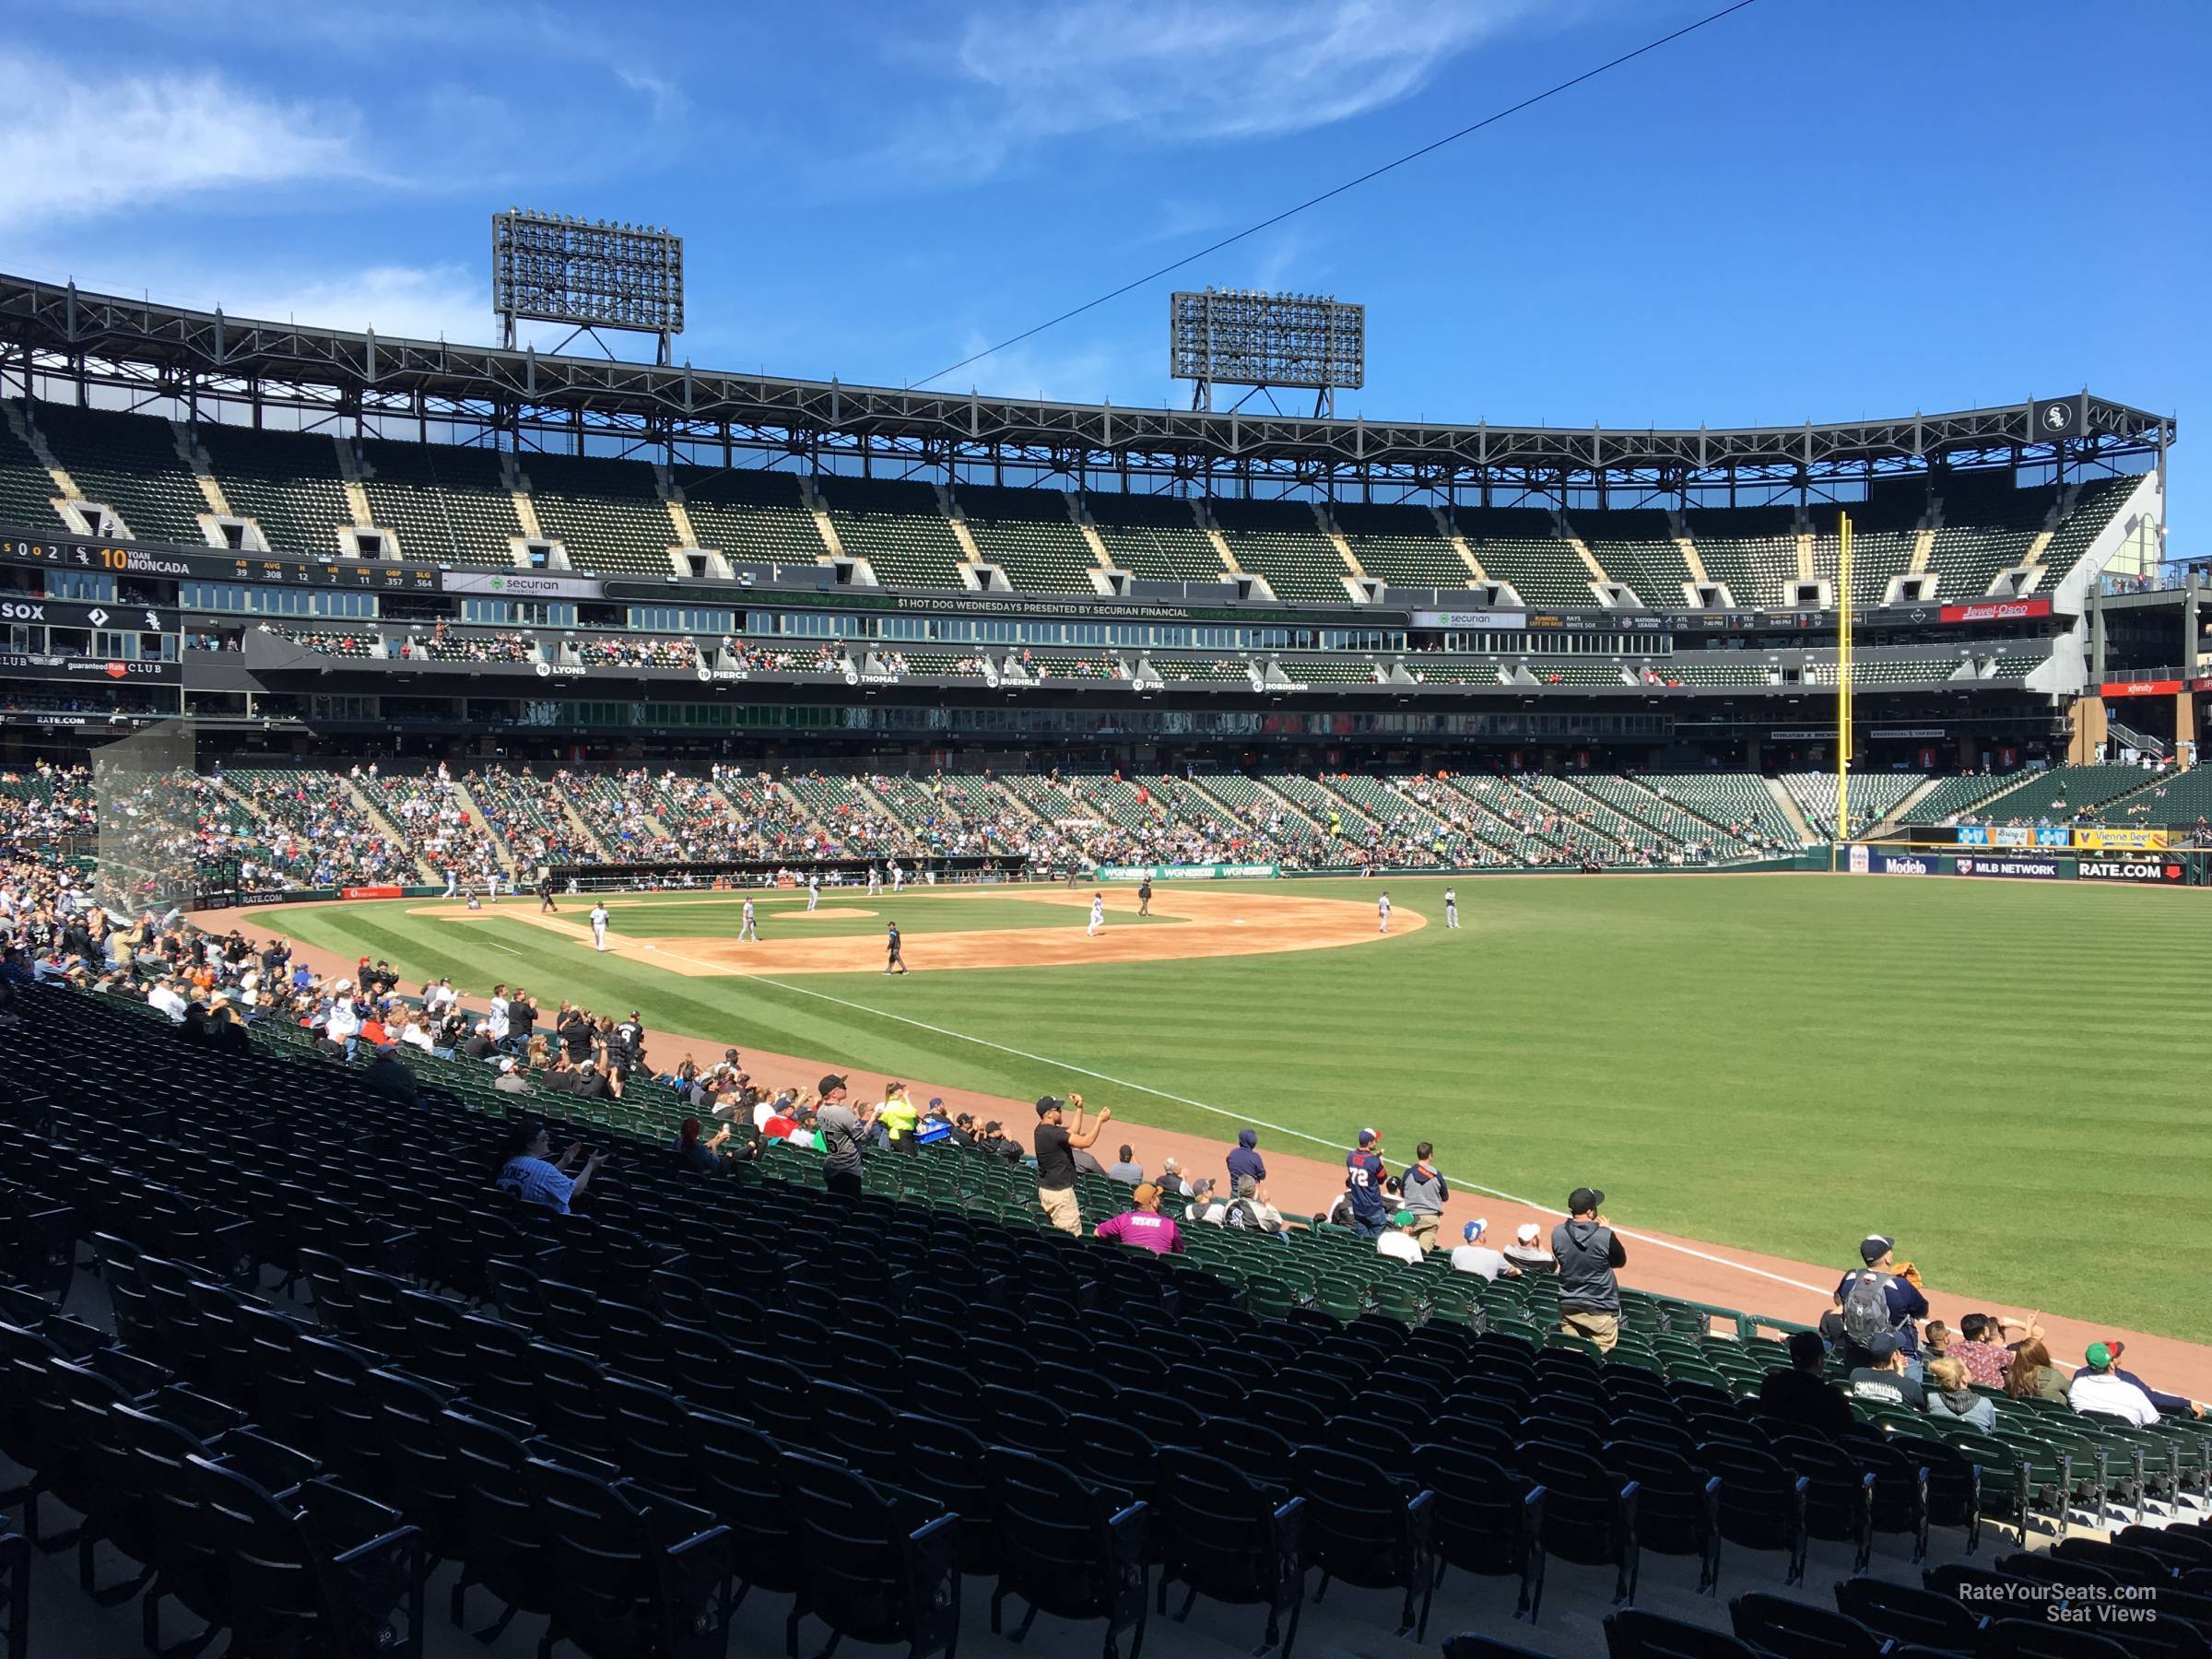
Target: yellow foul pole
{"points": [[1843, 679]]}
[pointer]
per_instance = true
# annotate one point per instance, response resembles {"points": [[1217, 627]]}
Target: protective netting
{"points": [[148, 788]]}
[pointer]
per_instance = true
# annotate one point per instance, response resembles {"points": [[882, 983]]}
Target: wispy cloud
{"points": [[1163, 71], [132, 140]]}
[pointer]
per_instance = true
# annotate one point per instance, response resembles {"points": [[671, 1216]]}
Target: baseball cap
{"points": [[1368, 1138], [1882, 1350], [1528, 1232], [1585, 1198], [1475, 1230], [1403, 1219], [1047, 1104], [936, 1099], [2100, 1356], [1873, 1247], [831, 1082], [1145, 1193], [507, 1065]]}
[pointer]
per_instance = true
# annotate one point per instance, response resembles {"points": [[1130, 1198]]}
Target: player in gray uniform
{"points": [[1451, 907], [748, 931]]}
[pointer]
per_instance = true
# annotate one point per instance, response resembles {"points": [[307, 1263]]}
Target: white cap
{"points": [[507, 1065], [1528, 1232]]}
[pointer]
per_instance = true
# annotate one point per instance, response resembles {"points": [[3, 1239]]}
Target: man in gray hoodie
{"points": [[1588, 1250], [1423, 1191]]}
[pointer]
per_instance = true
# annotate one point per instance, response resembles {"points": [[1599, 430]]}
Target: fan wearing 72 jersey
{"points": [[1363, 1179]]}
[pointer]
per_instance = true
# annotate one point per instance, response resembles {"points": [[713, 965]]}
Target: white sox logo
{"points": [[2057, 417]]}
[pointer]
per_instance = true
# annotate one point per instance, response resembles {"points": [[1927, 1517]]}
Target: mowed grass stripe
{"points": [[1994, 1071]]}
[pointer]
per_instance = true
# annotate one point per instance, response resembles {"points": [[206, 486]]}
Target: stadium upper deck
{"points": [[829, 544]]}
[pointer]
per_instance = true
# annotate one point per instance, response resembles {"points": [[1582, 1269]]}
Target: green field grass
{"points": [[700, 916], [2006, 1076]]}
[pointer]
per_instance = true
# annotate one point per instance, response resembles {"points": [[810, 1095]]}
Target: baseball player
{"points": [[1098, 914], [599, 926], [1144, 897], [814, 891], [748, 931], [1451, 907], [897, 877], [1382, 913], [452, 881], [545, 907], [893, 960], [874, 881]]}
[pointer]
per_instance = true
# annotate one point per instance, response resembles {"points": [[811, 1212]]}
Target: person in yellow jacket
{"points": [[897, 1116]]}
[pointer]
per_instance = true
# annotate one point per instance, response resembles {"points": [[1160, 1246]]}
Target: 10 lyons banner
{"points": [[1217, 872]]}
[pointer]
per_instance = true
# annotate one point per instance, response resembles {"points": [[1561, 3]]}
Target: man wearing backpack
{"points": [[1881, 1300]]}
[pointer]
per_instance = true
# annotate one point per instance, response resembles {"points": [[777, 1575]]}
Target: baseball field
{"points": [[2008, 1077]]}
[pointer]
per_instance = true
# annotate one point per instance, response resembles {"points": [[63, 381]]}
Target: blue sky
{"points": [[1821, 208]]}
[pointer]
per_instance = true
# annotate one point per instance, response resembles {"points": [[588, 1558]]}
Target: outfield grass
{"points": [[2006, 1076], [702, 916]]}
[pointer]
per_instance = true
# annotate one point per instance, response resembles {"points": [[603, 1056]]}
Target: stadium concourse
{"points": [[1306, 1181]]}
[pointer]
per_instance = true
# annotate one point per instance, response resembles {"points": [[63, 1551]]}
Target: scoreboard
{"points": [[214, 565]]}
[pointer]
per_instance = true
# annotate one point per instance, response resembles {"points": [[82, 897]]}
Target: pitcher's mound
{"points": [[827, 913]]}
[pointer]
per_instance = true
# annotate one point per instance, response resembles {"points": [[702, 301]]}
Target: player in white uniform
{"points": [[452, 881], [1451, 907], [897, 877], [1382, 913], [747, 932], [814, 891], [874, 881], [1098, 914], [599, 926]]}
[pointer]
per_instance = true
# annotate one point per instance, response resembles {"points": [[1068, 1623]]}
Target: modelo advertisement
{"points": [[2152, 867], [1902, 863], [2016, 869]]}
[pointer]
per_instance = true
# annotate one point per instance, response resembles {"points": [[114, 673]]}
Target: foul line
{"points": [[1240, 1117]]}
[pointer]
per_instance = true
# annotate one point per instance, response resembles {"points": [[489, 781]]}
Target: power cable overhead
{"points": [[1315, 201]]}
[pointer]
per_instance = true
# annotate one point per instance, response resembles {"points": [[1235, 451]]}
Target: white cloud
{"points": [[1163, 71], [102, 144]]}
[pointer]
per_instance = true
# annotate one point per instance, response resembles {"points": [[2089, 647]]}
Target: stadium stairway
{"points": [[375, 815], [1787, 805], [466, 799], [1893, 821]]}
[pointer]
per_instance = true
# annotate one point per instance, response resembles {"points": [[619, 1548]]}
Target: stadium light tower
{"points": [[1244, 337], [554, 268]]}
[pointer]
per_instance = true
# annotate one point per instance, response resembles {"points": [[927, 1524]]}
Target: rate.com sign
{"points": [[2130, 866]]}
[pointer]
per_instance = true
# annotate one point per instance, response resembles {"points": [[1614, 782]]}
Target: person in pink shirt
{"points": [[1145, 1225]]}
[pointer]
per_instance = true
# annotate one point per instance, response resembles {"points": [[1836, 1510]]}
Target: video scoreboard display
{"points": [[119, 560]]}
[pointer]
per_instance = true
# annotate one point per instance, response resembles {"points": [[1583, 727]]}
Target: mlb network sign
{"points": [[2017, 869]]}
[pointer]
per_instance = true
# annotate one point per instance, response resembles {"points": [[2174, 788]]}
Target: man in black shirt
{"points": [[1883, 1379], [1057, 1144], [1799, 1395]]}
